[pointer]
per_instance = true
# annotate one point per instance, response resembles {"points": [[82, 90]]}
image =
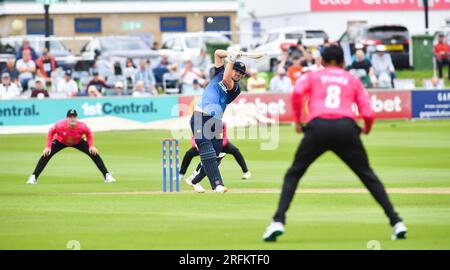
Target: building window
{"points": [[172, 24], [220, 23], [37, 26], [88, 25]]}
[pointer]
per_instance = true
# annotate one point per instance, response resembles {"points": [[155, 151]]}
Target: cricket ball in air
{"points": [[210, 20]]}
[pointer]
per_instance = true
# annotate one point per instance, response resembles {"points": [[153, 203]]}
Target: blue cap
{"points": [[239, 66]]}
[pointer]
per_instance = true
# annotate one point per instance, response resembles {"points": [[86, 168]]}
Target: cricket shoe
{"points": [[399, 231], [32, 180], [246, 175], [191, 177], [220, 189], [274, 230], [198, 188], [109, 179]]}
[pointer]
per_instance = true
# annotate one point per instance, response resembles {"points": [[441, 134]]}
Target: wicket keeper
{"points": [[70, 133], [206, 121], [331, 125]]}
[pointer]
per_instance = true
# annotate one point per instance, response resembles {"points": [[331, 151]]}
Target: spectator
{"points": [[318, 63], [326, 43], [26, 68], [139, 90], [189, 73], [39, 90], [298, 50], [96, 86], [155, 45], [195, 89], [284, 61], [295, 71], [67, 85], [434, 83], [204, 61], [145, 74], [280, 83], [45, 64], [382, 64], [362, 63], [118, 89], [12, 70], [308, 60], [8, 89], [161, 69], [26, 47], [255, 83], [103, 67], [442, 54], [362, 68]]}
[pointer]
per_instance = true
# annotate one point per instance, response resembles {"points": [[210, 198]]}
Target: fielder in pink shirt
{"points": [[328, 96], [70, 133]]}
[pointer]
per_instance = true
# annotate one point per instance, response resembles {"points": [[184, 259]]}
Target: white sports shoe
{"points": [[274, 230], [220, 189], [109, 178], [32, 180], [399, 231], [246, 175], [199, 188]]}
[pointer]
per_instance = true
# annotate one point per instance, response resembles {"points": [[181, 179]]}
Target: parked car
{"points": [[395, 38], [63, 56], [184, 45]]}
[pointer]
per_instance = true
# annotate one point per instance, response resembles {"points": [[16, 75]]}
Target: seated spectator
{"points": [[26, 47], [298, 50], [39, 90], [362, 68], [382, 65], [145, 74], [45, 65], [280, 83], [172, 79], [96, 86], [442, 55], [255, 84], [308, 60], [155, 45], [194, 89], [129, 71], [118, 89], [67, 85], [139, 90], [326, 43], [26, 68], [12, 70], [190, 73], [284, 61], [318, 63], [8, 89], [295, 71], [161, 69], [204, 62], [103, 67]]}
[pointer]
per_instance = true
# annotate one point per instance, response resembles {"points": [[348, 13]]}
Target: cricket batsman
{"points": [[331, 125], [70, 133], [206, 121]]}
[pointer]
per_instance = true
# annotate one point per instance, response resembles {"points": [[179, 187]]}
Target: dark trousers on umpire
{"points": [[229, 149], [57, 146], [342, 136]]}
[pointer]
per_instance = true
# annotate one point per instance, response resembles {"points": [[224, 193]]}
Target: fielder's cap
{"points": [[239, 66], [381, 48], [5, 75], [72, 112], [195, 81], [119, 84], [68, 72]]}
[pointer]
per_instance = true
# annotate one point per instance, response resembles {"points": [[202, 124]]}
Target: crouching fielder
{"points": [[70, 133], [331, 126]]}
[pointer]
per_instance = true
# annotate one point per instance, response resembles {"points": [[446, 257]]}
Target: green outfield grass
{"points": [[60, 208]]}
